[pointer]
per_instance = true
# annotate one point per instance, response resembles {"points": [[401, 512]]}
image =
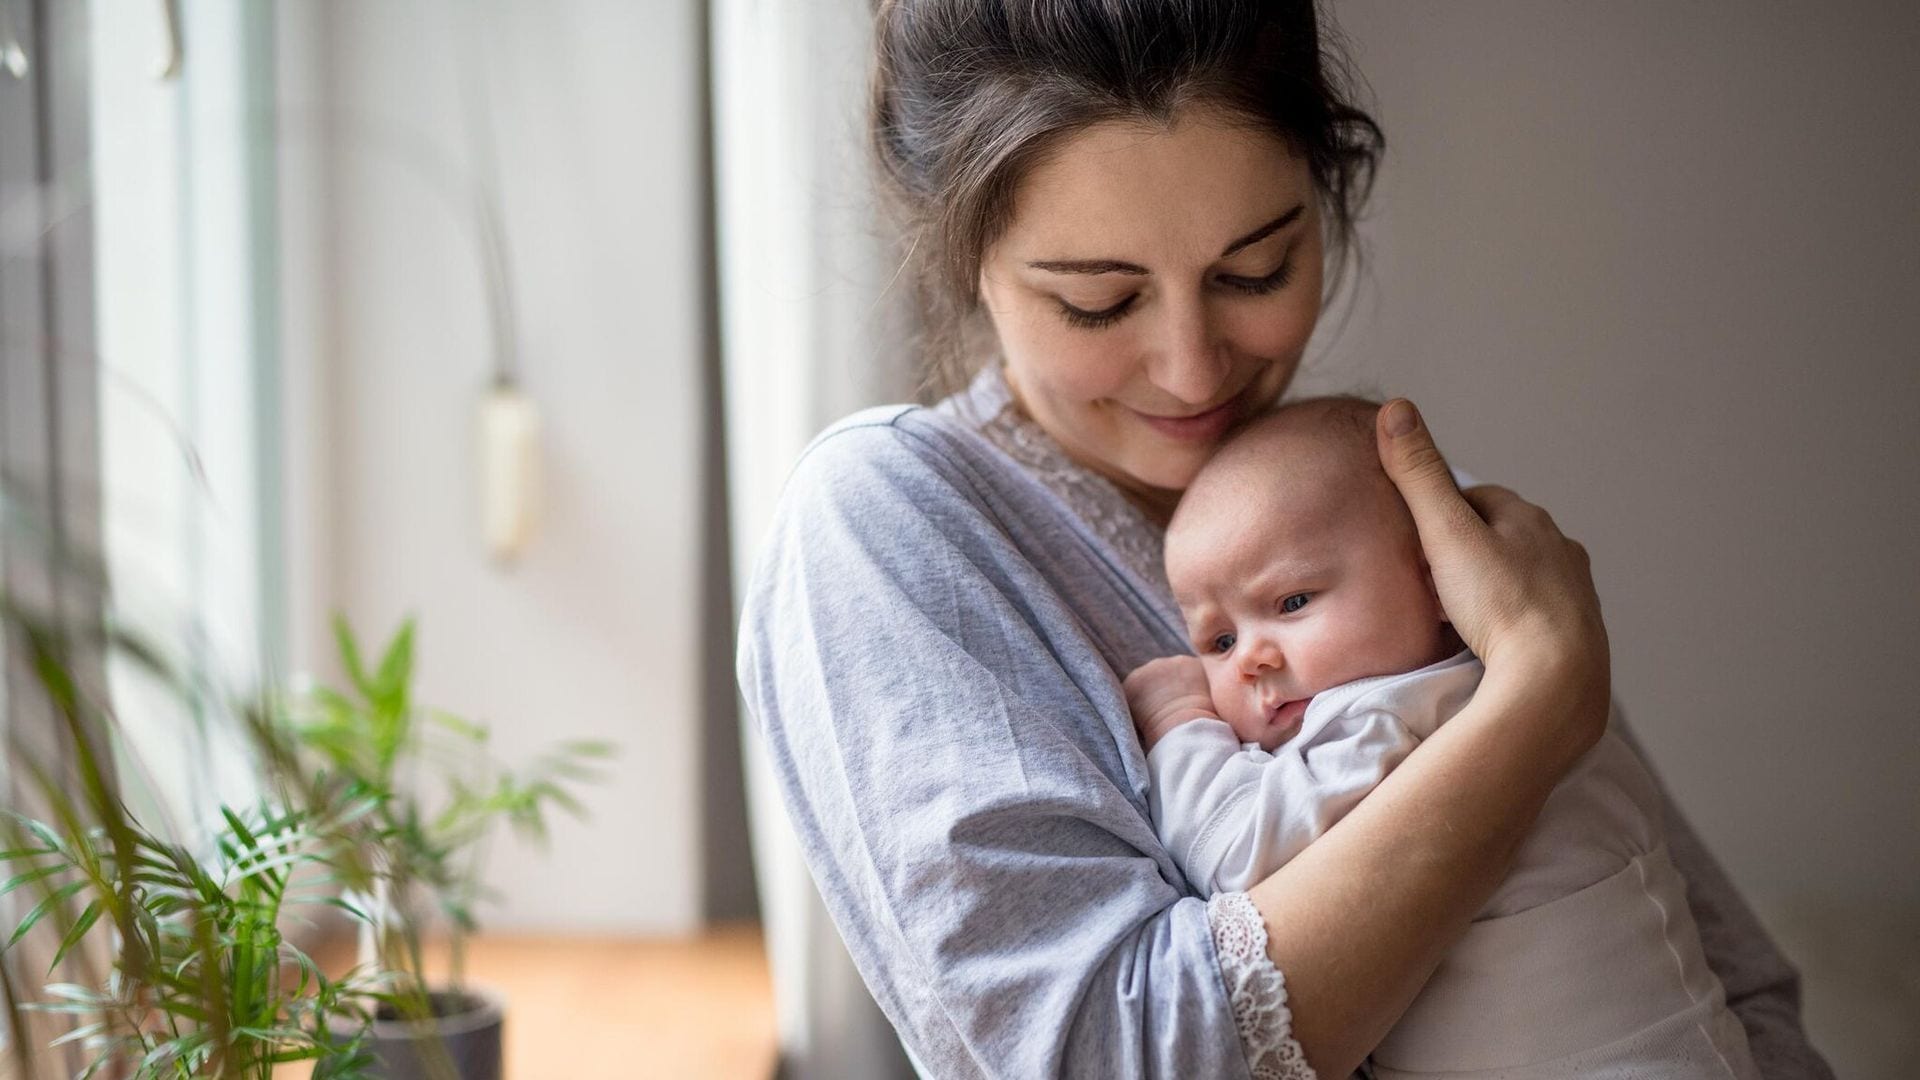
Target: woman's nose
{"points": [[1192, 364], [1260, 656]]}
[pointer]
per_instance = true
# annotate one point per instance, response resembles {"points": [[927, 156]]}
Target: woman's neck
{"points": [[1156, 503]]}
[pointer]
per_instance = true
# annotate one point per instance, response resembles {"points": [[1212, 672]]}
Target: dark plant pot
{"points": [[461, 1042]]}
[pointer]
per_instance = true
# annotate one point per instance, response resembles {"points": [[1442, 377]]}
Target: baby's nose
{"points": [[1260, 656]]}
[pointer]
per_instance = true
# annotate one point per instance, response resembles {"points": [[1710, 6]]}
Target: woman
{"points": [[1123, 213]]}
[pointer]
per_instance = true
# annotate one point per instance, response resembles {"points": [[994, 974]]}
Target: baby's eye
{"points": [[1222, 642], [1295, 602]]}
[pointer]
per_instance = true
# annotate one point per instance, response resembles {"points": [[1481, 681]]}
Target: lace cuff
{"points": [[1256, 990]]}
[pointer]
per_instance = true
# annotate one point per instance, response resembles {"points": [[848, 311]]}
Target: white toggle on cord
{"points": [[13, 55], [509, 470], [170, 62]]}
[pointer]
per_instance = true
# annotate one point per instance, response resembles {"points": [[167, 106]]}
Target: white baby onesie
{"points": [[1586, 961]]}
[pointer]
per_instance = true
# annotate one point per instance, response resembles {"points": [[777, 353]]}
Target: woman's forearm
{"points": [[1359, 920]]}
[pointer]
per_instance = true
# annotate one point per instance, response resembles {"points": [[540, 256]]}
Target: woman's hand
{"points": [[1165, 693], [1519, 593]]}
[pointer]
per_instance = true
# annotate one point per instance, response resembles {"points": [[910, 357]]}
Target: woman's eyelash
{"points": [[1262, 286], [1094, 320]]}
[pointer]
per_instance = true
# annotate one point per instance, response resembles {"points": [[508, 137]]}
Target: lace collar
{"points": [[987, 406]]}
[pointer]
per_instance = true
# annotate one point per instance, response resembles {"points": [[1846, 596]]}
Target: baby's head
{"points": [[1298, 568]]}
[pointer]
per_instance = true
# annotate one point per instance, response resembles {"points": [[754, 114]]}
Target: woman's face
{"points": [[1155, 287]]}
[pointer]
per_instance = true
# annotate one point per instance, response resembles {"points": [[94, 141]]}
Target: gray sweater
{"points": [[932, 644]]}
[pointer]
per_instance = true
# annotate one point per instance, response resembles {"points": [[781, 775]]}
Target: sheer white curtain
{"points": [[813, 325]]}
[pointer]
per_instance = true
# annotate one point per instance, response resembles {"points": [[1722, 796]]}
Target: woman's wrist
{"points": [[1560, 695]]}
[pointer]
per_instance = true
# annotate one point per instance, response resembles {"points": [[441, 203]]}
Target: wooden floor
{"points": [[595, 1007]]}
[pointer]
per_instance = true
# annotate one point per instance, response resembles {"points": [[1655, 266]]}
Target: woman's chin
{"points": [[1169, 469]]}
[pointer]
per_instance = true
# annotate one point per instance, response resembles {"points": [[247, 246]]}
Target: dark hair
{"points": [[968, 94]]}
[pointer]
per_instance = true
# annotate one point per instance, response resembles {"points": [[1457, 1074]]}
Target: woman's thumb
{"points": [[1415, 466]]}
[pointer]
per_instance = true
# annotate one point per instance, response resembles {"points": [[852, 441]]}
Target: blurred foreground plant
{"points": [[165, 958], [177, 959]]}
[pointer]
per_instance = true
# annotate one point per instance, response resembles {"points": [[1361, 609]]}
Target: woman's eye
{"points": [[1295, 602], [1094, 320], [1223, 643], [1262, 286]]}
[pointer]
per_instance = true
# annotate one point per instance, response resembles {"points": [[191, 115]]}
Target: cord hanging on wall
{"points": [[509, 423]]}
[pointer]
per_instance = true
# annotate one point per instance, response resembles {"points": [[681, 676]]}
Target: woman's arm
{"points": [[957, 761], [1359, 920]]}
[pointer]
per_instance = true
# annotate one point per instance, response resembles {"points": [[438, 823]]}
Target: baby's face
{"points": [[1291, 587]]}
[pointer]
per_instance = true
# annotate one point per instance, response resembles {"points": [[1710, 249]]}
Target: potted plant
{"points": [[442, 796], [178, 959], [176, 956]]}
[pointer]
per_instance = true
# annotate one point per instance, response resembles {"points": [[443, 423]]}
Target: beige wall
{"points": [[1657, 266]]}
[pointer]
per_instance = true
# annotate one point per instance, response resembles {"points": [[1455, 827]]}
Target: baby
{"points": [[1324, 658]]}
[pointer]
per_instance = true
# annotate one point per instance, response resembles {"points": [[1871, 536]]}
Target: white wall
{"points": [[593, 634], [1654, 266]]}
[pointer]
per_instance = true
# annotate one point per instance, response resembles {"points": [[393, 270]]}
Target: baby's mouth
{"points": [[1287, 714]]}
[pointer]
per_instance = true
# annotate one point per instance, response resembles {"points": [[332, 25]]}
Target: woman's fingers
{"points": [[1416, 467], [1459, 543], [1504, 572], [1518, 591], [1491, 501]]}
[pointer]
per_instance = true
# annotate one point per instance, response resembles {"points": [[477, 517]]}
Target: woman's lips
{"points": [[1200, 427]]}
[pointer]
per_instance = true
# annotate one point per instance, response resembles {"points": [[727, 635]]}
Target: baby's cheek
{"points": [[1219, 687], [1236, 705]]}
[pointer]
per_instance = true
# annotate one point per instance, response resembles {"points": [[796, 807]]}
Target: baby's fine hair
{"points": [[1345, 417], [1349, 414], [1347, 421]]}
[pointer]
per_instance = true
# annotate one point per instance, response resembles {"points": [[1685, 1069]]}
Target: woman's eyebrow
{"points": [[1266, 230], [1115, 266], [1088, 266]]}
